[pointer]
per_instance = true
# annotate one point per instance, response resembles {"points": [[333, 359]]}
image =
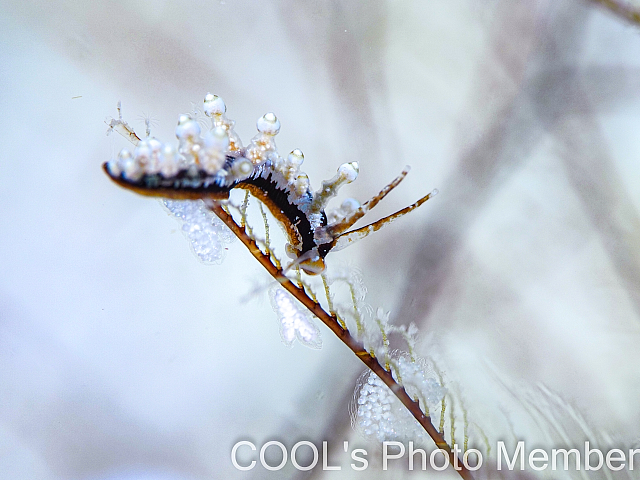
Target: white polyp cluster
{"points": [[295, 321], [184, 156], [295, 181], [150, 156], [263, 145], [290, 168], [268, 124], [302, 185], [216, 145], [218, 152], [126, 164], [148, 153], [347, 173], [115, 164], [188, 130], [376, 411], [129, 165], [215, 108], [169, 164], [206, 233], [207, 151]]}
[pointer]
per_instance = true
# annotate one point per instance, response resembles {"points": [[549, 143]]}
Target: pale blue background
{"points": [[122, 356]]}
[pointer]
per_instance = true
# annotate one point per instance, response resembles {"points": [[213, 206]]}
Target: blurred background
{"points": [[123, 357]]}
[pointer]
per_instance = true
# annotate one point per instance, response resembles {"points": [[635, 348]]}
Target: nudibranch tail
{"points": [[208, 165]]}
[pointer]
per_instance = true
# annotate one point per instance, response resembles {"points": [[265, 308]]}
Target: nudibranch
{"points": [[208, 165]]}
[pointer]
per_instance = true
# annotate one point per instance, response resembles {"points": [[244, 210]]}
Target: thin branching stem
{"points": [[622, 9], [333, 324]]}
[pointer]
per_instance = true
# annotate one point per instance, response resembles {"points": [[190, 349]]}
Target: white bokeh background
{"points": [[121, 356]]}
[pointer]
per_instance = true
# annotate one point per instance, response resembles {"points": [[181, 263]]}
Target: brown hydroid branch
{"points": [[622, 9], [333, 324]]}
